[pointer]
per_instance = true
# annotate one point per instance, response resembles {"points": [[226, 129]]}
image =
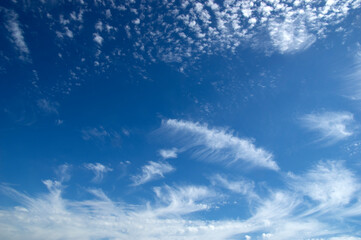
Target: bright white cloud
{"points": [[168, 153], [300, 211], [331, 126], [291, 35], [329, 183], [182, 200], [151, 171], [219, 144], [98, 169]]}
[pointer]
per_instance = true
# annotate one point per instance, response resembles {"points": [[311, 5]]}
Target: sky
{"points": [[180, 119]]}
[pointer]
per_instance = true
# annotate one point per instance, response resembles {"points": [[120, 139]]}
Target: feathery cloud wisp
{"points": [[315, 210], [17, 35], [217, 143], [151, 171], [331, 126], [98, 169]]}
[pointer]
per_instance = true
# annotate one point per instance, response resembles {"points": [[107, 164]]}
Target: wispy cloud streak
{"points": [[311, 205], [331, 126], [152, 171], [99, 170], [17, 35], [219, 144]]}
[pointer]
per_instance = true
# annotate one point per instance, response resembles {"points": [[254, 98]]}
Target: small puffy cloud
{"points": [[219, 144], [152, 171], [331, 126], [99, 170], [98, 39], [168, 153]]}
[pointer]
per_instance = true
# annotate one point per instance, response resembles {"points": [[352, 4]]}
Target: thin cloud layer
{"points": [[300, 211], [331, 126], [98, 169], [217, 144], [152, 171], [16, 33], [168, 153]]}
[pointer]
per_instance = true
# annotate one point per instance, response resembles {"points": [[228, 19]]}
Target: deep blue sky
{"points": [[180, 119]]}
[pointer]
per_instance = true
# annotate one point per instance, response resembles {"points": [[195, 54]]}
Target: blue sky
{"points": [[180, 119]]}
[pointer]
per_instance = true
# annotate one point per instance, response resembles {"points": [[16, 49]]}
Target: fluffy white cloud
{"points": [[151, 171], [332, 126], [98, 169], [218, 144]]}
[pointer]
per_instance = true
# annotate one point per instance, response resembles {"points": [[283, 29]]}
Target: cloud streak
{"points": [[218, 144], [16, 33], [152, 171], [331, 126], [99, 170], [312, 206]]}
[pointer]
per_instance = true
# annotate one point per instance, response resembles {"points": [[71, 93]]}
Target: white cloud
{"points": [[220, 145], [98, 39], [329, 183], [182, 200], [17, 35], [281, 214], [151, 171], [331, 126], [345, 238], [63, 172], [291, 35], [98, 169], [239, 186], [168, 153]]}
